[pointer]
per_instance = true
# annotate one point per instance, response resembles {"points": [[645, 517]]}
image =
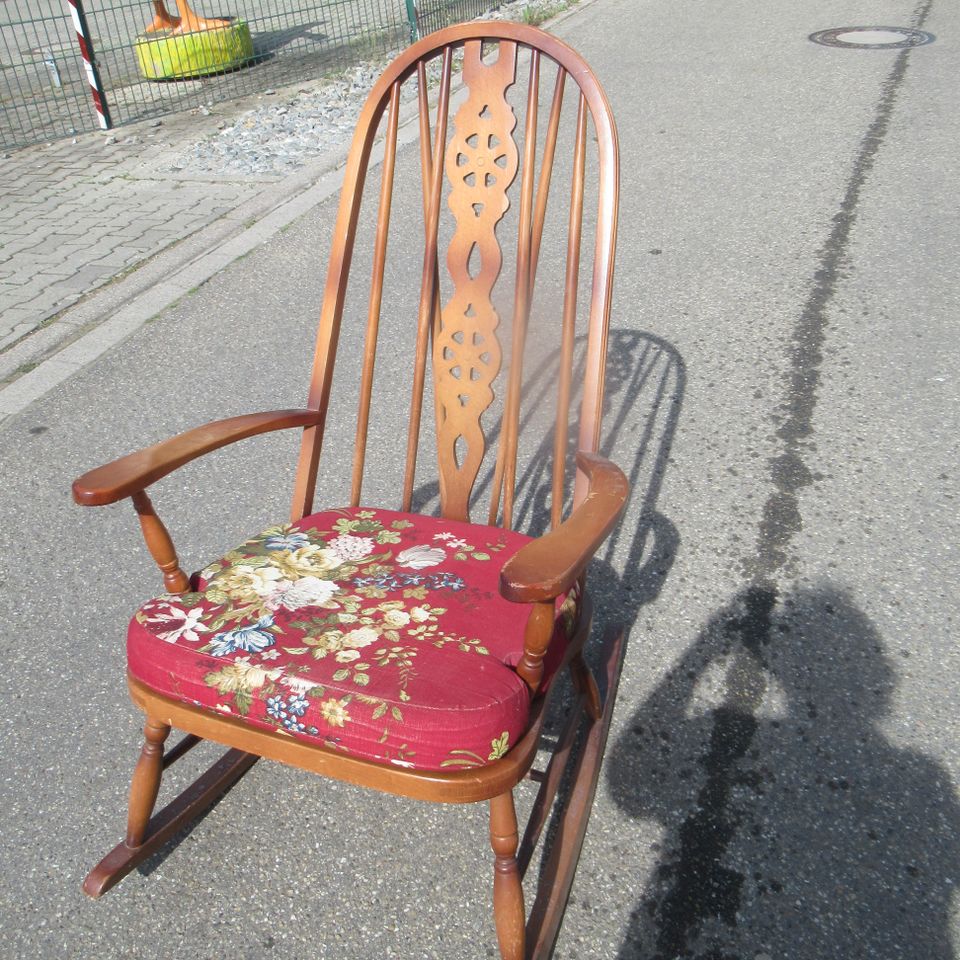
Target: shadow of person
{"points": [[792, 825]]}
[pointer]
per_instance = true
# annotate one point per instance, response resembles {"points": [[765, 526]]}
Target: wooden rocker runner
{"points": [[409, 653]]}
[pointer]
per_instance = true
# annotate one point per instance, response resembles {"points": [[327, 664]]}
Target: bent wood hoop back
{"points": [[470, 159]]}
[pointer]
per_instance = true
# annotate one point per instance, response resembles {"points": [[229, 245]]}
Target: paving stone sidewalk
{"points": [[76, 214]]}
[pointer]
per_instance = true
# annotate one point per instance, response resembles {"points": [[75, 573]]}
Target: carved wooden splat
{"points": [[481, 163]]}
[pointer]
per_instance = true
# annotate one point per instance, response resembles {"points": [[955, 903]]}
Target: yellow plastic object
{"points": [[166, 55]]}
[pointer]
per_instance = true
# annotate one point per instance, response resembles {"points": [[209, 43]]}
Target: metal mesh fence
{"points": [[43, 90], [432, 15], [45, 87]]}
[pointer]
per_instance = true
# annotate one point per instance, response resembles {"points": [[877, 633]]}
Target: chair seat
{"points": [[378, 633]]}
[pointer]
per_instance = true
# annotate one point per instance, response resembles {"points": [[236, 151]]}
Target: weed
{"points": [[534, 16]]}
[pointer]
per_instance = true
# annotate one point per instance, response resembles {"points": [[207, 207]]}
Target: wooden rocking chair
{"points": [[409, 653]]}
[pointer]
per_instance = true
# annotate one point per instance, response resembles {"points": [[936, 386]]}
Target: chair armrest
{"points": [[136, 471], [550, 565]]}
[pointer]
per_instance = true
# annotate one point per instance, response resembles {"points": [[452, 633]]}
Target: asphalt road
{"points": [[781, 777]]}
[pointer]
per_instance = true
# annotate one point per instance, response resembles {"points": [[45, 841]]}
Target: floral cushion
{"points": [[378, 633]]}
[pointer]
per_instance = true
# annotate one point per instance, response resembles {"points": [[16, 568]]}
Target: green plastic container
{"points": [[164, 55]]}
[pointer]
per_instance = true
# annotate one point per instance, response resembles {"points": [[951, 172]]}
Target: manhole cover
{"points": [[872, 38]]}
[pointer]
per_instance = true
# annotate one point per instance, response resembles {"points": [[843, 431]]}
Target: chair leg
{"points": [[586, 685], [148, 832], [508, 910], [146, 781]]}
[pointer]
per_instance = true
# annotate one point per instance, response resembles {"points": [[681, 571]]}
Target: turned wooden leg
{"points": [[586, 685], [146, 781], [160, 544], [180, 812], [508, 911]]}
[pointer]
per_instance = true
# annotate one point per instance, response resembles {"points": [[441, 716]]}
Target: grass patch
{"points": [[534, 16]]}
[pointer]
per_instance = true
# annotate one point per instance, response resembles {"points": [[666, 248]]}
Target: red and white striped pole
{"points": [[90, 63]]}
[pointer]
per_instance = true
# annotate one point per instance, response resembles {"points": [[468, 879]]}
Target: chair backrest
{"points": [[471, 159]]}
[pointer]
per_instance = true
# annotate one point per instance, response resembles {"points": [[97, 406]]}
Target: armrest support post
{"points": [[536, 639], [549, 566], [160, 545]]}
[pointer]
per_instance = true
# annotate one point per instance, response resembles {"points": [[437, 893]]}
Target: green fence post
{"points": [[412, 20]]}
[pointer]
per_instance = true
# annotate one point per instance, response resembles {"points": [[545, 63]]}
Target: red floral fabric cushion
{"points": [[382, 634]]}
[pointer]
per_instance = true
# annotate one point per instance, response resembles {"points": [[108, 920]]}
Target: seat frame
{"points": [[541, 571]]}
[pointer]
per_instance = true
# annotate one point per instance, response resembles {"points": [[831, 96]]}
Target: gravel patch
{"points": [[300, 123]]}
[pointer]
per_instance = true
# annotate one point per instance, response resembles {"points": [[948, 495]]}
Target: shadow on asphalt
{"points": [[644, 386], [791, 825]]}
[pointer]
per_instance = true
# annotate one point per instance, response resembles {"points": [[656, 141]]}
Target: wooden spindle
{"points": [[543, 191], [160, 545], [591, 408], [376, 293], [546, 173], [331, 312], [570, 289], [426, 150], [521, 302], [185, 745], [426, 178], [536, 639], [497, 484], [430, 281]]}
